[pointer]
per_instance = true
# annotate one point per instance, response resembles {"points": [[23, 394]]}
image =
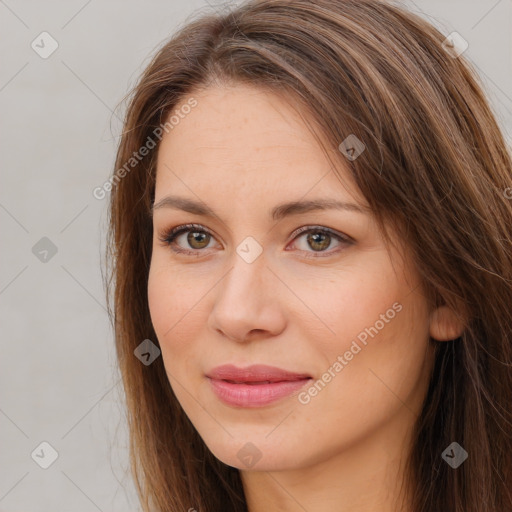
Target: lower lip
{"points": [[254, 395]]}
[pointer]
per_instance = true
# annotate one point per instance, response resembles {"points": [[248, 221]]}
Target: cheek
{"points": [[372, 380], [170, 304], [177, 305], [383, 358], [161, 299], [373, 318], [172, 293], [341, 304]]}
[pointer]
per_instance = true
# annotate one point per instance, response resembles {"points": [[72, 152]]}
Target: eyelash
{"points": [[170, 236]]}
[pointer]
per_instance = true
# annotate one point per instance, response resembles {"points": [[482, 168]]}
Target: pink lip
{"points": [[254, 386]]}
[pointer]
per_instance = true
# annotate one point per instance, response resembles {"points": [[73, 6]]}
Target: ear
{"points": [[445, 324]]}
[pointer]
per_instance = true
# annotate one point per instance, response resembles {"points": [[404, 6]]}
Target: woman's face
{"points": [[330, 304]]}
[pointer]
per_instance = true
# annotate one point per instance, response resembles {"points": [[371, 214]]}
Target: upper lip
{"points": [[254, 373]]}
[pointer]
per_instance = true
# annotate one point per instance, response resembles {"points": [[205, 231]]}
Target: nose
{"points": [[247, 304]]}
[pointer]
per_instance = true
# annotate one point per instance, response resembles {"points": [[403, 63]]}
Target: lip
{"points": [[254, 386], [254, 373]]}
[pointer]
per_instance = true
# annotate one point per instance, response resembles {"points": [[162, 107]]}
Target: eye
{"points": [[198, 238], [319, 239]]}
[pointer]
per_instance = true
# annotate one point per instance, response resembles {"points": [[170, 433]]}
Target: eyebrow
{"points": [[277, 213]]}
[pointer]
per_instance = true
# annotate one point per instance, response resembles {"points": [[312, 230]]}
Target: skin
{"points": [[242, 151]]}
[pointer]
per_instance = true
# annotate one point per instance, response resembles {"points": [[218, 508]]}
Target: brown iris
{"points": [[198, 237]]}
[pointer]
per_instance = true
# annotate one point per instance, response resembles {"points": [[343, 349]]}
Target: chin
{"points": [[255, 453]]}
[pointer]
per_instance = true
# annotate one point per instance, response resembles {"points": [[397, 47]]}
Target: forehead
{"points": [[240, 139]]}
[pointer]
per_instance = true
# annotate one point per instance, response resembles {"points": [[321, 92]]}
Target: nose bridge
{"points": [[245, 300], [248, 267], [245, 281]]}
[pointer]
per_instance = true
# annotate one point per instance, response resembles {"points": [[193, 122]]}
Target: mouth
{"points": [[254, 386], [257, 373]]}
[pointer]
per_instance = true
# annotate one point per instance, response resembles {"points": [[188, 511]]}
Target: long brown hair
{"points": [[436, 167]]}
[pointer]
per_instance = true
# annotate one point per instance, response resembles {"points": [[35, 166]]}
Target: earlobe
{"points": [[445, 324]]}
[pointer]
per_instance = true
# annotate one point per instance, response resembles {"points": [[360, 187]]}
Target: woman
{"points": [[310, 223]]}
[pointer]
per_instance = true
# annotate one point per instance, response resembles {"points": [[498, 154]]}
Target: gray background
{"points": [[58, 376]]}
